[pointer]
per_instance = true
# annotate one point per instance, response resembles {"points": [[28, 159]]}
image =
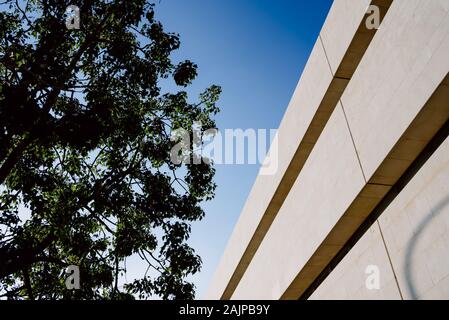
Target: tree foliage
{"points": [[85, 171]]}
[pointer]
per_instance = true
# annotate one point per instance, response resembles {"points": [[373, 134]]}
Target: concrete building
{"points": [[358, 207]]}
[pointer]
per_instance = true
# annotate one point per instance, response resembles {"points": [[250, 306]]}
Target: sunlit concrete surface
{"points": [[348, 279], [409, 244], [416, 231], [365, 108]]}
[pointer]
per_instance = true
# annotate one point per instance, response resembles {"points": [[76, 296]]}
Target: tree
{"points": [[85, 150]]}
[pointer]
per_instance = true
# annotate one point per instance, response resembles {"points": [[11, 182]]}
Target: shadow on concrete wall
{"points": [[411, 246]]}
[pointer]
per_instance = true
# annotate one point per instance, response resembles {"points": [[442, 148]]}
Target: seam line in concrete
{"points": [[389, 259], [353, 142], [327, 58], [344, 113]]}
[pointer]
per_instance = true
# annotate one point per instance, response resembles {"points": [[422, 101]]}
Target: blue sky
{"points": [[255, 50]]}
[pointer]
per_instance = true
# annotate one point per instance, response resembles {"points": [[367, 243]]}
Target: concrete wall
{"points": [[348, 279], [364, 109], [409, 242], [406, 61], [416, 231]]}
